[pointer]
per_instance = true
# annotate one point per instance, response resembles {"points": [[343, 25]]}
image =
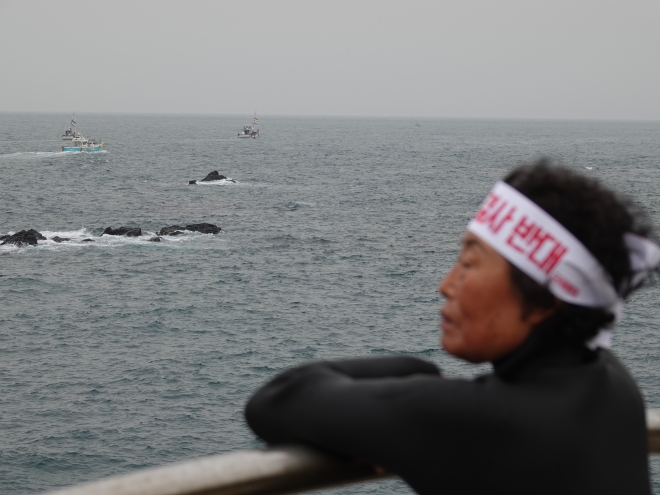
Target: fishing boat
{"points": [[79, 144], [250, 131]]}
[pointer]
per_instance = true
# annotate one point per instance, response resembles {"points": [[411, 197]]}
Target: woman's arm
{"points": [[382, 367], [357, 408]]}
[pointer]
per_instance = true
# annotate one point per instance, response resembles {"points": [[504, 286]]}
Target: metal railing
{"points": [[258, 472], [274, 470]]}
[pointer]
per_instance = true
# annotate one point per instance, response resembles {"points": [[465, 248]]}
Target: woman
{"points": [[544, 267]]}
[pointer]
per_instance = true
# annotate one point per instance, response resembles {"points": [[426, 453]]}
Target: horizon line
{"points": [[340, 116]]}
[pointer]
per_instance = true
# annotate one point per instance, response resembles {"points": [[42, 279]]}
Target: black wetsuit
{"points": [[553, 418]]}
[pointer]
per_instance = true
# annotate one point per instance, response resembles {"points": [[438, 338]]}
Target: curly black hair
{"points": [[599, 219]]}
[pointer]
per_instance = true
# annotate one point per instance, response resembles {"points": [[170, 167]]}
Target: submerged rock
{"points": [[154, 239], [204, 228], [88, 240], [59, 239], [192, 182], [127, 231], [24, 238], [213, 176], [171, 230]]}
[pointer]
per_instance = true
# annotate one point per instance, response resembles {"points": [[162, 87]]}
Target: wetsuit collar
{"points": [[542, 348]]}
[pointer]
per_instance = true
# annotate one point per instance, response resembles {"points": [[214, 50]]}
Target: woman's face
{"points": [[482, 318]]}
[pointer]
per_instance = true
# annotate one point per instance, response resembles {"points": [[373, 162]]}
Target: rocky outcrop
{"points": [[127, 231], [31, 237], [171, 230], [204, 228], [213, 176], [24, 238]]}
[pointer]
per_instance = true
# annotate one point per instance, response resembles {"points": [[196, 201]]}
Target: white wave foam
{"points": [[222, 182], [46, 154], [32, 154]]}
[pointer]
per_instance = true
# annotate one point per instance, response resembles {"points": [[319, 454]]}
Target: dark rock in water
{"points": [[88, 240], [191, 182], [204, 228], [213, 176], [38, 235], [172, 230], [24, 238], [60, 239], [3, 237], [123, 231], [154, 239]]}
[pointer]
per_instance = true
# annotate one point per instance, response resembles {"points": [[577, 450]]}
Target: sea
{"points": [[122, 354]]}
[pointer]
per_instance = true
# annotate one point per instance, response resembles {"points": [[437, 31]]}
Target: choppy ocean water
{"points": [[123, 354]]}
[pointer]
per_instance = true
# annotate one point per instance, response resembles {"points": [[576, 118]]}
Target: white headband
{"points": [[545, 250]]}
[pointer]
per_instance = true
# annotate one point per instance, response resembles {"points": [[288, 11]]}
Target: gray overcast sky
{"points": [[590, 59]]}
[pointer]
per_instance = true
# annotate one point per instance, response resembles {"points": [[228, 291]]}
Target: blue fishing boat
{"points": [[80, 144]]}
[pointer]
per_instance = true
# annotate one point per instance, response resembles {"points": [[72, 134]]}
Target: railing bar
{"points": [[272, 471]]}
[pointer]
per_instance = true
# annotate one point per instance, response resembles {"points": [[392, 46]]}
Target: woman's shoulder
{"points": [[609, 368]]}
